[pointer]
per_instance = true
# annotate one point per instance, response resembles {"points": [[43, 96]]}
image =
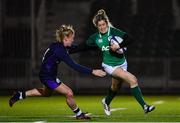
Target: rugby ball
{"points": [[117, 40]]}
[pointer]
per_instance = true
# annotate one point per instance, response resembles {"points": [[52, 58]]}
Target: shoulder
{"points": [[56, 47], [93, 36], [116, 31], [91, 40]]}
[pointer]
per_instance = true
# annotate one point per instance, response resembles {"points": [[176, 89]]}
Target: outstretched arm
{"points": [[83, 69], [81, 47], [63, 55]]}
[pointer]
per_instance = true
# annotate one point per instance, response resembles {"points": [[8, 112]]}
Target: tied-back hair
{"points": [[63, 31], [101, 15]]}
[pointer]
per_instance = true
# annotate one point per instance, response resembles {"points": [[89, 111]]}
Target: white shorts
{"points": [[110, 69]]}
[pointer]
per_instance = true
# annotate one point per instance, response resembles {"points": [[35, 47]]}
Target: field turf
{"points": [[124, 109]]}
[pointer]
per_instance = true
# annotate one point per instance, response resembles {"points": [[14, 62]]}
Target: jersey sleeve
{"points": [[91, 40], [64, 56], [117, 32], [81, 48], [127, 39]]}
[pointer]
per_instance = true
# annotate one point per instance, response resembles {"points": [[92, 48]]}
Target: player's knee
{"points": [[69, 94], [134, 81]]}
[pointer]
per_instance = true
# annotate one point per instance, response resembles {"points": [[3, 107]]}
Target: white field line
{"points": [[39, 122], [117, 109], [158, 102]]}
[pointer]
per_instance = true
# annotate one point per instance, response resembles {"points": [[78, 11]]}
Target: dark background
{"points": [[27, 27]]}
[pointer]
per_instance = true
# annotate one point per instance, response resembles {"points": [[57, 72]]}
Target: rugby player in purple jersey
{"points": [[55, 54]]}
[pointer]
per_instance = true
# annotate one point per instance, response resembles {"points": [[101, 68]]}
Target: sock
{"points": [[77, 111], [22, 95], [110, 96], [136, 91]]}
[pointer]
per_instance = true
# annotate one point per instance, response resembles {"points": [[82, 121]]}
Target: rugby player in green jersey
{"points": [[114, 63]]}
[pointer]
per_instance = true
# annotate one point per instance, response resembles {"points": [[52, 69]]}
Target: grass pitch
{"points": [[124, 109]]}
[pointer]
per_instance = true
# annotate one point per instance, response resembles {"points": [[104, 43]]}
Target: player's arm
{"points": [[61, 54], [85, 46], [81, 47], [127, 39]]}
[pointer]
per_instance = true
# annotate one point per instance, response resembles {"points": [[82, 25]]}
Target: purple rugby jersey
{"points": [[52, 57]]}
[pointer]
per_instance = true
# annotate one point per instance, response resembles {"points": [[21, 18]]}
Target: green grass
{"points": [[54, 109]]}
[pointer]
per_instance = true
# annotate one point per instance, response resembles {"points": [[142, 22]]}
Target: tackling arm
{"points": [[81, 47]]}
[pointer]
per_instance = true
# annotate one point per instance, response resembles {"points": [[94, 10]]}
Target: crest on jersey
{"points": [[100, 40]]}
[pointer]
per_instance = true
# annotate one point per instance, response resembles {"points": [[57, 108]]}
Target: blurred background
{"points": [[27, 27]]}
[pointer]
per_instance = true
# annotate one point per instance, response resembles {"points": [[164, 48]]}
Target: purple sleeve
{"points": [[64, 56]]}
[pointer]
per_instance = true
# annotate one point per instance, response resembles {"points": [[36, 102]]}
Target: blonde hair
{"points": [[63, 31], [101, 15]]}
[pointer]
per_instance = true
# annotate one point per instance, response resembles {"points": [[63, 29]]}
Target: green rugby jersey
{"points": [[102, 42]]}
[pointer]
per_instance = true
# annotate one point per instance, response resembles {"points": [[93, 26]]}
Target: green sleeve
{"points": [[117, 32], [91, 40]]}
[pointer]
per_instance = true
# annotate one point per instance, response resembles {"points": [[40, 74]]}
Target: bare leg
{"points": [[136, 91], [39, 92], [126, 76], [19, 95], [115, 85], [65, 90]]}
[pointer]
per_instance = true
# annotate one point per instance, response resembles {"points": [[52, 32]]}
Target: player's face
{"points": [[102, 26], [68, 40]]}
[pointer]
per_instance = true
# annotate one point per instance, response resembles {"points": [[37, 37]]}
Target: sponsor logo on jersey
{"points": [[105, 48]]}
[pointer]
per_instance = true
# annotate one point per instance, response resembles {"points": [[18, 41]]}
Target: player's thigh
{"points": [[116, 83], [125, 75], [64, 89]]}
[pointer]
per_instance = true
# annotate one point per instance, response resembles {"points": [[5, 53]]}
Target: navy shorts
{"points": [[51, 84]]}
